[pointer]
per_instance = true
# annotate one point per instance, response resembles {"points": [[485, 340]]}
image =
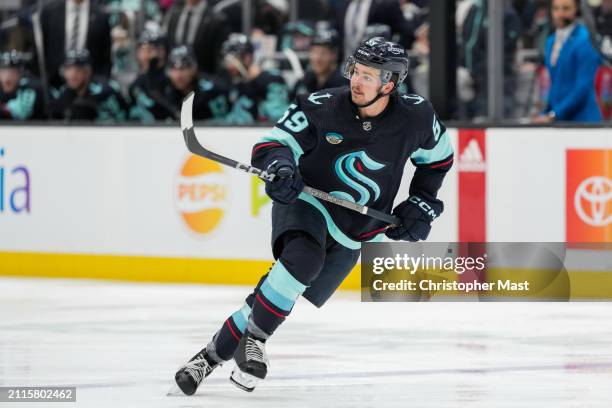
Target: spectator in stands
{"points": [[85, 98], [572, 63], [415, 11], [20, 96], [150, 51], [473, 55], [296, 35], [197, 24], [603, 18], [161, 98], [353, 16], [269, 16], [255, 94], [323, 58], [147, 103], [75, 25]]}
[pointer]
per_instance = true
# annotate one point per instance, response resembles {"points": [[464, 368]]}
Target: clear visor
{"points": [[349, 67]]}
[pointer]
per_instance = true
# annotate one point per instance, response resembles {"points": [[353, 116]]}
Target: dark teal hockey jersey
{"points": [[360, 160]]}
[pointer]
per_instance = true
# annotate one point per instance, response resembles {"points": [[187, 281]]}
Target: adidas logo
{"points": [[471, 158]]}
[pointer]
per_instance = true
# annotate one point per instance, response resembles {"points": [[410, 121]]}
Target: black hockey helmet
{"points": [[326, 37], [77, 57], [389, 57], [237, 45], [150, 37], [181, 57], [11, 59]]}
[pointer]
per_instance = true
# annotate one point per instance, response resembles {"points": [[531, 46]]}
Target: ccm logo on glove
{"points": [[424, 206]]}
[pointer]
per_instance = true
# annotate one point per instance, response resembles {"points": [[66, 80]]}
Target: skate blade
{"points": [[242, 380], [175, 391]]}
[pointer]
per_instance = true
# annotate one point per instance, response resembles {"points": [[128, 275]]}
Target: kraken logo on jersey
{"points": [[350, 172]]}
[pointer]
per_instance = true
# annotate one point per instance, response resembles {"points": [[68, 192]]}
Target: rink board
{"points": [[131, 203]]}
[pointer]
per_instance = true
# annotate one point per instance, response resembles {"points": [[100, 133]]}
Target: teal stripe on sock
{"points": [[282, 280], [241, 317], [276, 298], [281, 288]]}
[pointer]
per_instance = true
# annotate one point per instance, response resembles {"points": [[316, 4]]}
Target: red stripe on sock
{"points": [[268, 307], [232, 330]]}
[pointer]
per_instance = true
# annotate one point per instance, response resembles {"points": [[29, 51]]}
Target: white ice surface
{"points": [[120, 343]]}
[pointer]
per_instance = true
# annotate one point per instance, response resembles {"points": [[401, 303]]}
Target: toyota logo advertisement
{"points": [[589, 195]]}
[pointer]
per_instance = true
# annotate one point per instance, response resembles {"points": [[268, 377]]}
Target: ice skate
{"points": [[251, 363], [190, 376]]}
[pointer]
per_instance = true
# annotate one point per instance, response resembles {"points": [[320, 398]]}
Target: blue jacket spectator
{"points": [[572, 91]]}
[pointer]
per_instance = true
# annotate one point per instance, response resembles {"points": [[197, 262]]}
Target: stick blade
{"points": [[193, 145], [187, 112]]}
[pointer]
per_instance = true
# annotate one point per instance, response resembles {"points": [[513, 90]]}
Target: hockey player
{"points": [[255, 94], [21, 97], [83, 97], [354, 143], [146, 89], [323, 58], [159, 97]]}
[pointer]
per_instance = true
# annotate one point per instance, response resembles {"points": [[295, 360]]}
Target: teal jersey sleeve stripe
{"points": [[440, 152], [333, 229], [285, 138]]}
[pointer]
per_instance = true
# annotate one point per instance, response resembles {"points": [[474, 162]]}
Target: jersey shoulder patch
{"points": [[324, 97], [413, 100], [416, 105], [318, 98]]}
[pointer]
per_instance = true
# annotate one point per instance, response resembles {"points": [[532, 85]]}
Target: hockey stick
{"points": [[194, 146]]}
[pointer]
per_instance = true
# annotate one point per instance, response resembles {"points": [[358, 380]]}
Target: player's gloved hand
{"points": [[288, 183], [416, 214]]}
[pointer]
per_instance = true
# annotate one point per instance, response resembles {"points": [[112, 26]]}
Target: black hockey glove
{"points": [[287, 184], [416, 215]]}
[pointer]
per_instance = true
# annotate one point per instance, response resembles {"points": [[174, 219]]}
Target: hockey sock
{"points": [[300, 262], [274, 301], [225, 341]]}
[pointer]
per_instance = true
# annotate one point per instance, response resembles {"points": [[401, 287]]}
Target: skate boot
{"points": [[189, 377], [251, 363]]}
